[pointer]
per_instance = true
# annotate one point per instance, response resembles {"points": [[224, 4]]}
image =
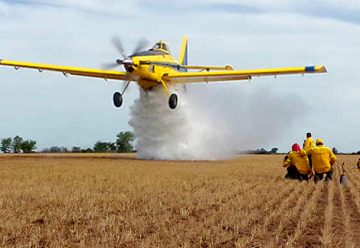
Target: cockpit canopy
{"points": [[161, 46]]}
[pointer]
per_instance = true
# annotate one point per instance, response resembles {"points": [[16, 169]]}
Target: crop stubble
{"points": [[119, 201]]}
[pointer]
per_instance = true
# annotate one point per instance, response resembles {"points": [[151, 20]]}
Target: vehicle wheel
{"points": [[173, 100], [117, 99]]}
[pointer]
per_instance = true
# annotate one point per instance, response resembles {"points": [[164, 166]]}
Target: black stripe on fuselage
{"points": [[175, 66]]}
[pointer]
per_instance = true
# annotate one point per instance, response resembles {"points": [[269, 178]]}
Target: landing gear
{"points": [[117, 98], [173, 100]]}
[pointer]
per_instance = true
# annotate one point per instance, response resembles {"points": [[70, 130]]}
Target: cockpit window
{"points": [[165, 47], [161, 46]]}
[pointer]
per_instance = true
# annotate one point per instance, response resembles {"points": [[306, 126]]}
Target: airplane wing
{"points": [[87, 72], [230, 75]]}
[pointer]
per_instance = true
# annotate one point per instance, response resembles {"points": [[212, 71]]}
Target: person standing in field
{"points": [[323, 159], [358, 164], [297, 164], [309, 143]]}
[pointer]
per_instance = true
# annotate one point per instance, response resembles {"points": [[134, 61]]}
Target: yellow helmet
{"points": [[319, 141]]}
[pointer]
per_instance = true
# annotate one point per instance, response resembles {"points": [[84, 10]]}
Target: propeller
{"points": [[109, 66], [116, 41], [126, 60], [141, 45]]}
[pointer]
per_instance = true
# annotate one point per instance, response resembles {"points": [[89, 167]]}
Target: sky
{"points": [[78, 111]]}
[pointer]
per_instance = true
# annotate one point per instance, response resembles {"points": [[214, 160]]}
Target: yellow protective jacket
{"points": [[322, 158], [309, 143], [300, 161]]}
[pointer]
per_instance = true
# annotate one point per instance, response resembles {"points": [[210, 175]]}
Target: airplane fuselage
{"points": [[150, 75]]}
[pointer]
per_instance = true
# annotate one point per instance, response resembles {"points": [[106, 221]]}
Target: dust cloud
{"points": [[209, 123]]}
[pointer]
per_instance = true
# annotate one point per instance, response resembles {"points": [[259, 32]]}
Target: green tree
{"points": [[104, 147], [261, 151], [274, 150], [16, 143], [28, 146], [87, 150], [55, 149], [76, 149], [124, 142], [6, 145]]}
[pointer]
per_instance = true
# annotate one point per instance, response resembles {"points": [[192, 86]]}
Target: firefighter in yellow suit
{"points": [[323, 159], [297, 164], [309, 143]]}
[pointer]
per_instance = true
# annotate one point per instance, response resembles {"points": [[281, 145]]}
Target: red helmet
{"points": [[296, 147]]}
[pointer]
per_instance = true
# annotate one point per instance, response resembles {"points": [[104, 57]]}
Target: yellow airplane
{"points": [[153, 67]]}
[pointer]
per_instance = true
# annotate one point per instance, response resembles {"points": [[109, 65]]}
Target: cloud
{"points": [[95, 7], [336, 10]]}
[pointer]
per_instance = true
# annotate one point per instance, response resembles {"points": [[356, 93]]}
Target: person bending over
{"points": [[297, 164], [323, 160]]}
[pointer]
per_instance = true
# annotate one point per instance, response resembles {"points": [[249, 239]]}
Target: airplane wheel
{"points": [[173, 100], [117, 99]]}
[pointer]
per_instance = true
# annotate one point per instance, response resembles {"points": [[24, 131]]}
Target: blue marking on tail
{"points": [[309, 68]]}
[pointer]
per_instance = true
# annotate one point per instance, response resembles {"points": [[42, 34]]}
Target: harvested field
{"points": [[119, 201]]}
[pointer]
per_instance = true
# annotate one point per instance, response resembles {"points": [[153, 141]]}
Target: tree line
{"points": [[260, 151], [17, 145], [123, 143], [275, 151]]}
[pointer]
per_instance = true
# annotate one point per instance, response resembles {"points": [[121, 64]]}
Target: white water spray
{"points": [[181, 134], [210, 123]]}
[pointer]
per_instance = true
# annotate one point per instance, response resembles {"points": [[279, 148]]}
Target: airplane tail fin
{"points": [[183, 58]]}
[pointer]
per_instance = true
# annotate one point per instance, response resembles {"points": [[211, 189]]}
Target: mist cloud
{"points": [[210, 123]]}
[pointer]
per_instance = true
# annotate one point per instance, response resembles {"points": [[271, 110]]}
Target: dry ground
{"points": [[118, 201]]}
